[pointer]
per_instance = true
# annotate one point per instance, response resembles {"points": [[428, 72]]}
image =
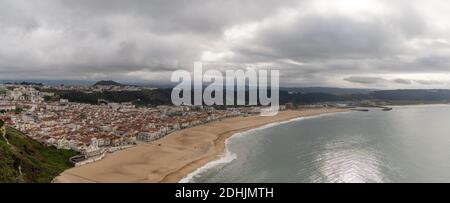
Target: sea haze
{"points": [[408, 144]]}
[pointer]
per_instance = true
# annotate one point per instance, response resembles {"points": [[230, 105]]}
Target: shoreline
{"points": [[227, 156], [420, 105], [177, 155]]}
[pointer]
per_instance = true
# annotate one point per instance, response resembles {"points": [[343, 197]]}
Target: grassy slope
{"points": [[38, 163]]}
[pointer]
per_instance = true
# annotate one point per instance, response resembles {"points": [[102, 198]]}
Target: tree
{"points": [[47, 98], [18, 110]]}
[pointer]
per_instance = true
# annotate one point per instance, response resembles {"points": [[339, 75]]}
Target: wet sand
{"points": [[176, 155]]}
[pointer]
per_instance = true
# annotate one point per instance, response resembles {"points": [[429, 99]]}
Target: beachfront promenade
{"points": [[176, 155]]}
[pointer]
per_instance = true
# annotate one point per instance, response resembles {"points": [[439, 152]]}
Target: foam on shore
{"points": [[229, 156]]}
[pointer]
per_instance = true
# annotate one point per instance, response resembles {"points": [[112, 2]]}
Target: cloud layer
{"points": [[362, 43]]}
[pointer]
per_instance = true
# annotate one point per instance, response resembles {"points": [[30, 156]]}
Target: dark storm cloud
{"points": [[365, 80], [97, 37], [327, 37], [343, 42], [403, 81], [199, 16], [428, 82], [382, 81]]}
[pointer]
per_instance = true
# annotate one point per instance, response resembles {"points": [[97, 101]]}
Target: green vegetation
{"points": [[107, 83], [18, 111], [25, 83], [47, 98], [25, 160], [143, 97], [287, 95]]}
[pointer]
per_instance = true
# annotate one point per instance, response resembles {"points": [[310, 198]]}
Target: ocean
{"points": [[407, 144]]}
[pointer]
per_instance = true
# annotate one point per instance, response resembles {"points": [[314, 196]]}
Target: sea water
{"points": [[407, 144]]}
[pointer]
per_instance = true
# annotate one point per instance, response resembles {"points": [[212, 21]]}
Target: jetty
{"points": [[362, 110]]}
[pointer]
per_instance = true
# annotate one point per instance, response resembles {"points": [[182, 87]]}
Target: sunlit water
{"points": [[408, 144]]}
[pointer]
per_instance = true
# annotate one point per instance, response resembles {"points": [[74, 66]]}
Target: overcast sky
{"points": [[344, 43]]}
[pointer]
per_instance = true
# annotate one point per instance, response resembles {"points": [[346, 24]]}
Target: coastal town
{"points": [[94, 130]]}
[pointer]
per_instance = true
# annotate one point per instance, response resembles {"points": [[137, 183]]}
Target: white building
{"points": [[7, 107]]}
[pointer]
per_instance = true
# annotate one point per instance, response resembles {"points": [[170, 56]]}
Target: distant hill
{"points": [[24, 83], [25, 160], [142, 97], [53, 82], [287, 95], [327, 90], [412, 95], [107, 83]]}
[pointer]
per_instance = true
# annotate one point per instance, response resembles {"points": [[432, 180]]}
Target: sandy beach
{"points": [[176, 155]]}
